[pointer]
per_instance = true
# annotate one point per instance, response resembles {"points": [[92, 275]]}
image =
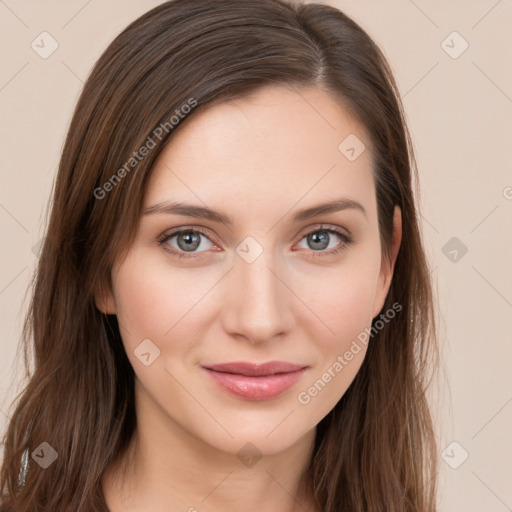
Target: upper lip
{"points": [[255, 370]]}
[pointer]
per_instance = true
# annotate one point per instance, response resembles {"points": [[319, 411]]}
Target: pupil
{"points": [[319, 240], [192, 241]]}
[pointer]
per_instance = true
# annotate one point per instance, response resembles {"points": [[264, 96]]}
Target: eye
{"points": [[185, 241], [325, 241], [191, 242]]}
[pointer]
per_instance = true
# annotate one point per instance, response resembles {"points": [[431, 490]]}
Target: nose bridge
{"points": [[259, 304]]}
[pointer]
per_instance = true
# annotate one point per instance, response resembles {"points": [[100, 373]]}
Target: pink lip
{"points": [[255, 381]]}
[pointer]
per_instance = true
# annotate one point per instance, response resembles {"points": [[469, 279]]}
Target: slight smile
{"points": [[255, 381]]}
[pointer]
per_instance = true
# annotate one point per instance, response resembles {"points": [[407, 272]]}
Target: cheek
{"points": [[343, 301], [151, 299], [344, 307], [159, 303]]}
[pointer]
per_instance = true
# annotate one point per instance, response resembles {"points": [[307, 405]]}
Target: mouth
{"points": [[255, 381]]}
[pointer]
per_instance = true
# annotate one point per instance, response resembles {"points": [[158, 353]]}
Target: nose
{"points": [[259, 304]]}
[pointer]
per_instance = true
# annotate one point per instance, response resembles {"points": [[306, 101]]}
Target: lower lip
{"points": [[264, 387]]}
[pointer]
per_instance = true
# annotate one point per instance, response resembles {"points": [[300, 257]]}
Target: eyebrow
{"points": [[201, 212]]}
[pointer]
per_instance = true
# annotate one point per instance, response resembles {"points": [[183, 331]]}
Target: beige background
{"points": [[459, 111]]}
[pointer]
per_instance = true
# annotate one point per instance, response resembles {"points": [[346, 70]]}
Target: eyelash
{"points": [[346, 241]]}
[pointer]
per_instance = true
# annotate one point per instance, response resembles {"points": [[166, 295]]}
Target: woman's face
{"points": [[257, 275]]}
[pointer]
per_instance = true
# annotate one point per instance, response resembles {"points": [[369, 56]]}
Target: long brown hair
{"points": [[376, 449]]}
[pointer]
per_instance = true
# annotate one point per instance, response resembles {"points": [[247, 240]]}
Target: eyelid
{"points": [[346, 237], [331, 228], [174, 231], [323, 226], [164, 237]]}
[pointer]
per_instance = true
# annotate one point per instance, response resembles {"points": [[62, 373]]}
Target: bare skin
{"points": [[259, 161]]}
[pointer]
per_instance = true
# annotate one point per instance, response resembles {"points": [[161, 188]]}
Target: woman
{"points": [[232, 309]]}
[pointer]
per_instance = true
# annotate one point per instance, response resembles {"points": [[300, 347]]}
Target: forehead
{"points": [[267, 151]]}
